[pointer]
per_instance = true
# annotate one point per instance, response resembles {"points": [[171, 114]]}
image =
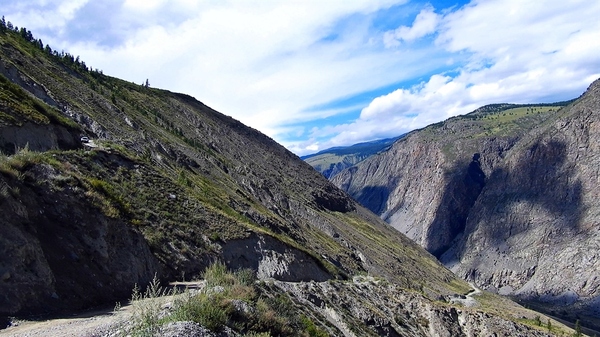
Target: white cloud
{"points": [[518, 52], [265, 62], [425, 24], [54, 14], [262, 64], [143, 5]]}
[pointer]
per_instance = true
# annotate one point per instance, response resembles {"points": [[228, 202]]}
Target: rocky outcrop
{"points": [[533, 232], [513, 212], [371, 307], [11, 72], [272, 258], [404, 186]]}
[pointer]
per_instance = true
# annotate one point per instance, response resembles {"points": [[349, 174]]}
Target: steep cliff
{"points": [[534, 230], [504, 196], [58, 251]]}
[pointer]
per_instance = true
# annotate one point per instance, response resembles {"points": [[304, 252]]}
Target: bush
{"points": [[206, 310], [245, 277], [217, 275], [276, 315], [311, 328], [147, 307]]}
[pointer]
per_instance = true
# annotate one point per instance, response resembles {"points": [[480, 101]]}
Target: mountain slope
{"points": [[505, 198], [332, 161], [167, 186]]}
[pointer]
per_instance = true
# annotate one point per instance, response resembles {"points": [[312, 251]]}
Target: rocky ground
{"points": [[364, 306]]}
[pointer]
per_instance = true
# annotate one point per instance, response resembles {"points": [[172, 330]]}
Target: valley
{"points": [[175, 187]]}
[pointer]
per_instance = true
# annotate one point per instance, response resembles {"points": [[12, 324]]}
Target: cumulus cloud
{"points": [[267, 63], [43, 15], [519, 52], [425, 23], [261, 63]]}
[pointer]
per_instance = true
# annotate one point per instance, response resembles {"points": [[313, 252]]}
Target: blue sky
{"points": [[317, 74]]}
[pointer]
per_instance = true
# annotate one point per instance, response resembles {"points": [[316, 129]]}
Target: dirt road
{"points": [[91, 324]]}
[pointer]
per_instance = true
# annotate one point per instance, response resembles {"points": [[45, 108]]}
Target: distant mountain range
{"points": [[333, 160]]}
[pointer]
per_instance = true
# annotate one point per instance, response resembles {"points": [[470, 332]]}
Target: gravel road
{"points": [[91, 324], [96, 323]]}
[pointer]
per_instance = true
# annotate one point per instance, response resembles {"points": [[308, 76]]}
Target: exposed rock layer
{"points": [[56, 251]]}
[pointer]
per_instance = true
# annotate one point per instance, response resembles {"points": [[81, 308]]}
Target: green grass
{"points": [[509, 121], [17, 106], [324, 160], [459, 287], [17, 102], [461, 136], [16, 165]]}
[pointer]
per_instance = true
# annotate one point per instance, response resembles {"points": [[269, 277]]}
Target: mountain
{"points": [[105, 184], [505, 196], [333, 160]]}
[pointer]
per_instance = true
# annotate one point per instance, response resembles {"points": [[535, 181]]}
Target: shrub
{"points": [[217, 275], [146, 309], [311, 328], [204, 309], [232, 299], [275, 315], [245, 277]]}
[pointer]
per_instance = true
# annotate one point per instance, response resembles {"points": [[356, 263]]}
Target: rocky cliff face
{"points": [[513, 211], [404, 184], [538, 215]]}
